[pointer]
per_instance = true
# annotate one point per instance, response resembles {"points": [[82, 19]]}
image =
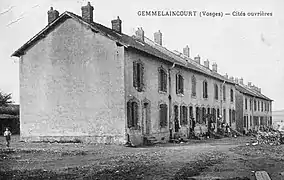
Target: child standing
{"points": [[7, 135]]}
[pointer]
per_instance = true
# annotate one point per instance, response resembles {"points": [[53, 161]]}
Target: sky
{"points": [[242, 46]]}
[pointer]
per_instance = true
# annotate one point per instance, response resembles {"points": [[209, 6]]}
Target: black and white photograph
{"points": [[147, 90]]}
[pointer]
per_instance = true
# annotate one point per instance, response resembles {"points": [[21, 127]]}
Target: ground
{"points": [[227, 158]]}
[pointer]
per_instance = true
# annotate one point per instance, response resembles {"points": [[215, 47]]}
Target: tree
{"points": [[5, 99]]}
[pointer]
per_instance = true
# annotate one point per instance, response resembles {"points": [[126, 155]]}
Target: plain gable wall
{"points": [[72, 85]]}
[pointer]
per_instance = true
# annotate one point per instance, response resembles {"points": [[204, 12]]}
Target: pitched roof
{"points": [[122, 39], [188, 61], [245, 90]]}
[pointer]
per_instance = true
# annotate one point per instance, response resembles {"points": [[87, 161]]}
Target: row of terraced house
{"points": [[82, 80]]}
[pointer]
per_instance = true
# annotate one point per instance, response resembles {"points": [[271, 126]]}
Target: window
{"points": [[224, 116], [191, 112], [132, 114], [250, 104], [218, 113], [216, 91], [232, 95], [203, 115], [193, 82], [254, 105], [197, 114], [246, 103], [224, 93], [250, 120], [268, 107], [183, 115], [262, 106], [205, 89], [162, 80], [138, 75], [214, 114], [163, 115], [258, 106], [245, 122], [179, 84]]}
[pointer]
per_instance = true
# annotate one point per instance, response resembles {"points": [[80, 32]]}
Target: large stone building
{"points": [[80, 79], [253, 108]]}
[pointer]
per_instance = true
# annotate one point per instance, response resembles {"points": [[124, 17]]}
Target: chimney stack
{"points": [[241, 81], [52, 15], [236, 80], [226, 76], [232, 78], [116, 24], [197, 59], [206, 63], [87, 12], [158, 37], [186, 51], [214, 67], [249, 84], [140, 34]]}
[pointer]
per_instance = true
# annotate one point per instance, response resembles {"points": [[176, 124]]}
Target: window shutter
{"points": [[135, 114], [181, 84], [203, 89], [177, 84], [135, 83], [165, 115], [142, 85], [165, 82], [181, 115], [186, 115], [159, 79], [129, 114]]}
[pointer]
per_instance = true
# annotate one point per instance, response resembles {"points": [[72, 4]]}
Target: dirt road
{"points": [[227, 158]]}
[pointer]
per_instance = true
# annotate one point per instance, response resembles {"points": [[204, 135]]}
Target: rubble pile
{"points": [[269, 137]]}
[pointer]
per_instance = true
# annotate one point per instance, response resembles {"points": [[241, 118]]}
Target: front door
{"points": [[146, 119]]}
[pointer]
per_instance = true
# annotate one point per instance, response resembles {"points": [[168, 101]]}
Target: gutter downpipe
{"points": [[170, 102]]}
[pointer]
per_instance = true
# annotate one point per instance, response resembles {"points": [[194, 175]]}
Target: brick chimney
{"points": [[52, 15], [87, 12], [186, 51], [158, 38], [214, 67], [116, 24], [206, 63], [237, 80], [226, 76], [197, 59], [241, 81], [140, 34]]}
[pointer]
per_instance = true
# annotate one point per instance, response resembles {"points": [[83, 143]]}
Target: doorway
{"points": [[146, 118]]}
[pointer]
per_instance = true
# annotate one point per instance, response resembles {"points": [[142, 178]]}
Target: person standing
{"points": [[7, 135]]}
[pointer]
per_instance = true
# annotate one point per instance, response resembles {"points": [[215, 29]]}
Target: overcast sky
{"points": [[248, 47]]}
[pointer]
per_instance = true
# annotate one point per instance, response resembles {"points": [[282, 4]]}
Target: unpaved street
{"points": [[228, 158]]}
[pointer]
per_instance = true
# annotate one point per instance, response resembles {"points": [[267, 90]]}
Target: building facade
{"points": [[253, 108], [82, 80]]}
